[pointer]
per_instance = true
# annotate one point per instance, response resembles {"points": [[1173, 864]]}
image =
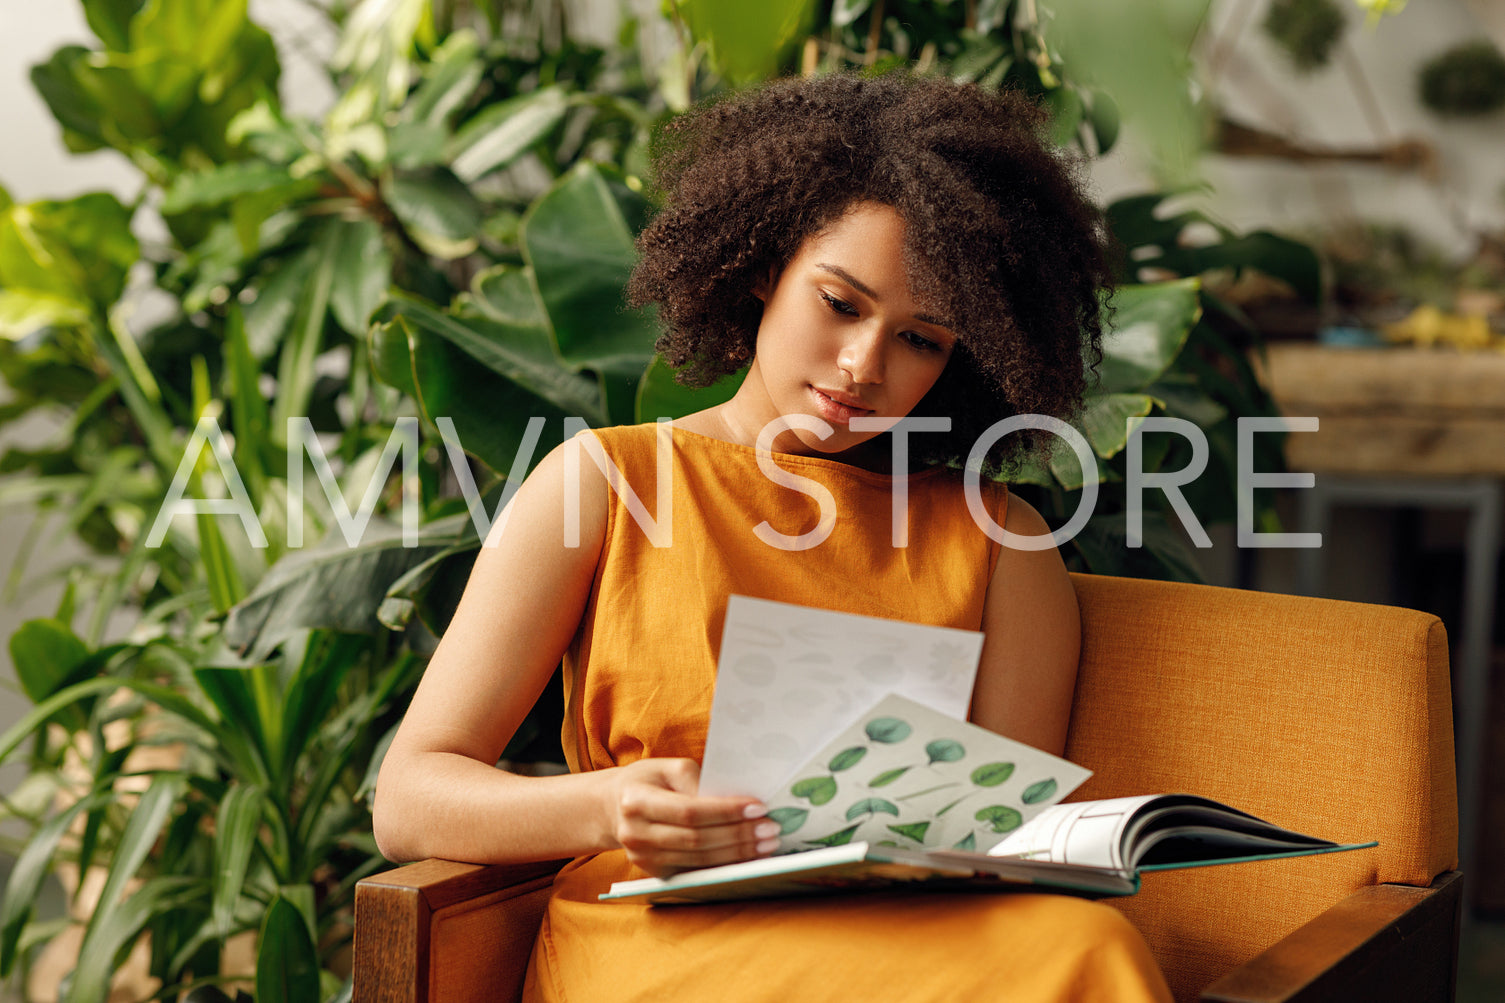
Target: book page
{"points": [[789, 677], [902, 775], [1088, 832]]}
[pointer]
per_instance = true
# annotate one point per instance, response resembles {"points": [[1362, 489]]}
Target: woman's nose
{"points": [[861, 356]]}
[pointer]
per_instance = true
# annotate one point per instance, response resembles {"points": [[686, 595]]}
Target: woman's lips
{"points": [[836, 407]]}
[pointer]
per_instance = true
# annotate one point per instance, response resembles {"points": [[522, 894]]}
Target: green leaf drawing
{"points": [[818, 790], [967, 842], [789, 819], [887, 730], [1037, 792], [841, 838], [847, 758], [1000, 818], [887, 842], [944, 750], [992, 774], [872, 806], [949, 807], [888, 776], [911, 830]]}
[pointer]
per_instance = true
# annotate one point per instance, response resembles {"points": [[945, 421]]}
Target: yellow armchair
{"points": [[1331, 718]]}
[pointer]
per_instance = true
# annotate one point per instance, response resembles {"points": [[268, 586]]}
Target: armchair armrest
{"points": [[1383, 942], [428, 931]]}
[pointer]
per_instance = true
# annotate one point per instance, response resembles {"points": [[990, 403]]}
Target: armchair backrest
{"points": [[1331, 718]]}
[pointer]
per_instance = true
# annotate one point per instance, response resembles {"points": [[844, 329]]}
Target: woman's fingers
{"points": [[665, 826]]}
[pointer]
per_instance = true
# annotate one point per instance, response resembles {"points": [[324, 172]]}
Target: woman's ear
{"points": [[763, 288]]}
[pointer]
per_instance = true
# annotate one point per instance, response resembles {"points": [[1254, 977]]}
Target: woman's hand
{"points": [[656, 815]]}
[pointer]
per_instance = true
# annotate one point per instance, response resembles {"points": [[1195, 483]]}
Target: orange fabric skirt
{"points": [[937, 948]]}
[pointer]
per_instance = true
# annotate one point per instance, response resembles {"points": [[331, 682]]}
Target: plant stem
{"points": [[874, 34]]}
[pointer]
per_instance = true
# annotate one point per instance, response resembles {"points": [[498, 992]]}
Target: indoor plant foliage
{"points": [[449, 241]]}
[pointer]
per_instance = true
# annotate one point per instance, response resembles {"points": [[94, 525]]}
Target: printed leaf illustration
{"points": [[888, 776], [818, 790], [872, 806], [949, 807], [887, 842], [887, 730], [847, 758], [789, 819], [1037, 792], [912, 830], [1000, 818], [967, 842], [992, 774], [944, 750], [841, 838]]}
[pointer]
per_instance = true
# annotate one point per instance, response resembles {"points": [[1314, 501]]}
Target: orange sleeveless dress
{"points": [[639, 677]]}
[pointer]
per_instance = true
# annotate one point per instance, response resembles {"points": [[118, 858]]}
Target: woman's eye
{"points": [[839, 306], [921, 342]]}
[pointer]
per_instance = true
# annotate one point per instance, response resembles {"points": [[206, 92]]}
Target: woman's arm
{"points": [[439, 794], [1033, 637]]}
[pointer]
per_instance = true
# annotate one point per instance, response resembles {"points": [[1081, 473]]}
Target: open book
{"points": [[906, 790], [1091, 848]]}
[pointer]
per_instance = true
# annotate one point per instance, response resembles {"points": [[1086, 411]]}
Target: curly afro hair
{"points": [[1000, 236]]}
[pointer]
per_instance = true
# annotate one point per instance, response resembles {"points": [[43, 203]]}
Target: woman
{"points": [[871, 250]]}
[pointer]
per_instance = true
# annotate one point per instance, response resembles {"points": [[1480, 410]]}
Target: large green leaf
{"points": [[237, 825], [295, 366], [661, 396], [23, 312], [314, 690], [243, 722], [287, 964], [1150, 324], [221, 183], [362, 273], [748, 39], [31, 868], [46, 654], [80, 250], [96, 103], [111, 20], [449, 80], [1290, 261], [332, 586], [503, 132], [437, 210], [118, 917], [179, 47], [1166, 555], [520, 353], [112, 928], [578, 239], [1105, 420], [490, 413]]}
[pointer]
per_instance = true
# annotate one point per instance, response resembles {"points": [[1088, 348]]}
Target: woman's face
{"points": [[841, 336]]}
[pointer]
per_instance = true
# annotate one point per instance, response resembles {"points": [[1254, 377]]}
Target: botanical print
{"points": [[904, 775]]}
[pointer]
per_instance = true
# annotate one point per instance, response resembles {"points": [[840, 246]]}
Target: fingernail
{"points": [[766, 829], [768, 846], [755, 811]]}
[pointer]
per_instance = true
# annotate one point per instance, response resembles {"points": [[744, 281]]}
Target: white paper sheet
{"points": [[790, 678]]}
